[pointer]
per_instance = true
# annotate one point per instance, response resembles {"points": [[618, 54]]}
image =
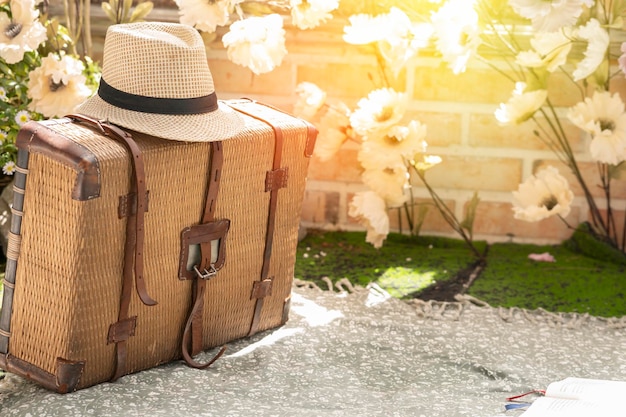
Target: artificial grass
{"points": [[574, 283], [405, 266], [402, 266]]}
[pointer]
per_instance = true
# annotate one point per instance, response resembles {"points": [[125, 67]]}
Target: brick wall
{"points": [[477, 153]]}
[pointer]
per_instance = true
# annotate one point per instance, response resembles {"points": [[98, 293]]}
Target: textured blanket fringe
{"points": [[559, 319], [453, 310], [343, 285], [438, 310]]}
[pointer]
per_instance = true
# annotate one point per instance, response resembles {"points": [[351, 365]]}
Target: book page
{"points": [[560, 407], [594, 390]]}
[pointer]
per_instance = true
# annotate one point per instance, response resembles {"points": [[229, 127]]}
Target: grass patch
{"points": [[574, 283], [406, 266], [402, 266]]}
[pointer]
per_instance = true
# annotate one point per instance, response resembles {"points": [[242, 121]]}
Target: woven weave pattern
{"points": [[180, 71], [70, 266]]}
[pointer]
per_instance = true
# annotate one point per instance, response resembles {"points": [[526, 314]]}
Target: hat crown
{"points": [[160, 60]]}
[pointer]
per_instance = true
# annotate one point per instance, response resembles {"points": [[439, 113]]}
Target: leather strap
{"points": [[192, 335], [275, 180], [133, 248], [195, 320]]}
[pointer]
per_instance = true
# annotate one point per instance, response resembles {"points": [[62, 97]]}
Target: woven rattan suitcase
{"points": [[79, 219]]}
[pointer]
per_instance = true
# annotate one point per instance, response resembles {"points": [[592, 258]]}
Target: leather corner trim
{"points": [[68, 374], [37, 137], [66, 379], [286, 309]]}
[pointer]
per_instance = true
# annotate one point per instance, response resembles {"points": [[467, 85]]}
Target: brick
{"points": [[433, 221], [472, 86], [590, 174], [619, 216], [344, 167], [562, 91], [444, 129], [618, 85], [320, 207], [485, 130], [475, 173], [236, 79], [341, 80], [496, 219]]}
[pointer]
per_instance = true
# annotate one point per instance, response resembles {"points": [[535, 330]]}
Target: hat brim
{"points": [[218, 125]]}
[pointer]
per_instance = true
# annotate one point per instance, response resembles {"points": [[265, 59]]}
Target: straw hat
{"points": [[156, 80]]}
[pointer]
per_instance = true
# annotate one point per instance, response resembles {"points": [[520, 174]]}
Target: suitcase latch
{"points": [[209, 238]]}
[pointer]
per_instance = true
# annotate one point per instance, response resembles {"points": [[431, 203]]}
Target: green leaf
{"points": [[618, 172], [256, 9], [126, 11], [470, 214], [141, 11]]}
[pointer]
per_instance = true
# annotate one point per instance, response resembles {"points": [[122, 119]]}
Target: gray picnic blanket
{"points": [[359, 352]]}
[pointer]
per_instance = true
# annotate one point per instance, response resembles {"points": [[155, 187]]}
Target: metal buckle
{"points": [[205, 274]]}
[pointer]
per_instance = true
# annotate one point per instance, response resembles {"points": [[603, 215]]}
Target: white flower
{"points": [[57, 86], [370, 211], [396, 36], [457, 32], [404, 41], [389, 183], [382, 109], [521, 106], [334, 130], [543, 195], [550, 50], [257, 43], [399, 145], [9, 168], [598, 42], [365, 29], [3, 136], [550, 15], [311, 98], [603, 117], [307, 14], [206, 15], [3, 94], [20, 33], [22, 117]]}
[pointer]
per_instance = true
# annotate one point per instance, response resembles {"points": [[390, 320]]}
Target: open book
{"points": [[578, 397]]}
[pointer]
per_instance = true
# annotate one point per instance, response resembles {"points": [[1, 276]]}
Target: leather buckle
{"points": [[207, 275], [191, 258]]}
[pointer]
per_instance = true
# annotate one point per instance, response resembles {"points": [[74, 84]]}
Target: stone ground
{"points": [[360, 353]]}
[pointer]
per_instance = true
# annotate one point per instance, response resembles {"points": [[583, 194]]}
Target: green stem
{"points": [[565, 146], [605, 179], [448, 215]]}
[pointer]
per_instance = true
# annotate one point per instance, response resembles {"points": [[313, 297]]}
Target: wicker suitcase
{"points": [[73, 257]]}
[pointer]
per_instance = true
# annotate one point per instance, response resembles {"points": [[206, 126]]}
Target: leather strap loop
{"points": [[193, 333], [135, 233], [194, 319], [133, 247]]}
